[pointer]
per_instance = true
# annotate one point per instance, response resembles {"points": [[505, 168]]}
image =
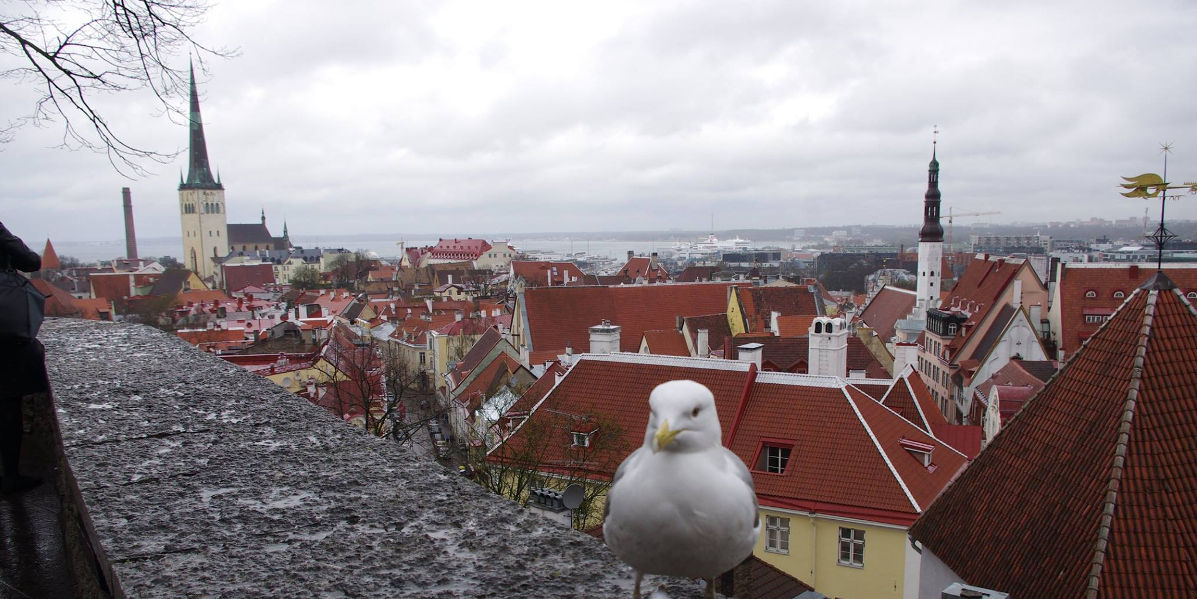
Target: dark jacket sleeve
{"points": [[16, 254]]}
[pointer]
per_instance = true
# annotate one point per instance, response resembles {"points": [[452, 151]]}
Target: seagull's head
{"points": [[683, 418]]}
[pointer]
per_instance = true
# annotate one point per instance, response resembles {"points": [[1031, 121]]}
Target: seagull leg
{"points": [[636, 589], [710, 594]]}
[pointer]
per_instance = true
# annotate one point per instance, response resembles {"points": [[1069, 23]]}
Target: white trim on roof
{"points": [[800, 380], [884, 456], [892, 288], [659, 360], [1123, 265]]}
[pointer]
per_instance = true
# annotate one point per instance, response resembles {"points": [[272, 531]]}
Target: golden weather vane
{"points": [[1151, 185]]}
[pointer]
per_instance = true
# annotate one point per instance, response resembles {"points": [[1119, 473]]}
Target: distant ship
{"points": [[710, 247]]}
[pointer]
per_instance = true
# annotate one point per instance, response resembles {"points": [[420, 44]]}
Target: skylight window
{"points": [[773, 457]]}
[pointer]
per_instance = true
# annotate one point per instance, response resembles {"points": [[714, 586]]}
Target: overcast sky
{"points": [[490, 117]]}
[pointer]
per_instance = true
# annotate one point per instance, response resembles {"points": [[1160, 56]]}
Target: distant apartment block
{"points": [[999, 244]]}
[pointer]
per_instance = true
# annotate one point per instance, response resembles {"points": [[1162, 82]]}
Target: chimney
{"points": [[773, 323], [604, 338], [130, 234], [569, 355], [631, 254], [428, 303], [1017, 299], [1133, 272], [450, 278], [752, 352], [457, 316], [652, 262], [904, 354], [827, 347], [703, 343]]}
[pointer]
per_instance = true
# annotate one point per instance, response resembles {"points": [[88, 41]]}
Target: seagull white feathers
{"points": [[682, 505]]}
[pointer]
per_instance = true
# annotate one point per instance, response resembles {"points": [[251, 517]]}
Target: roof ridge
{"points": [[1120, 447], [662, 360], [877, 445]]}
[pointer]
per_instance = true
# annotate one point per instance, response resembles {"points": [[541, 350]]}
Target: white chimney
{"points": [[428, 303], [604, 338], [773, 323], [1017, 300], [703, 343], [827, 347], [457, 315], [450, 278], [569, 355], [752, 352], [904, 355]]}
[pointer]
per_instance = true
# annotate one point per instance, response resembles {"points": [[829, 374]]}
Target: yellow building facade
{"points": [[868, 564]]}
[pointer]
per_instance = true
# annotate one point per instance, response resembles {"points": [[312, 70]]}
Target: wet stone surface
{"points": [[203, 480]]}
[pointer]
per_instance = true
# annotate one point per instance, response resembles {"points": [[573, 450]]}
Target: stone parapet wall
{"points": [[198, 479]]}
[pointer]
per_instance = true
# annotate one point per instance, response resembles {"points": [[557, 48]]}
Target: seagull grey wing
{"points": [[736, 466], [628, 462]]}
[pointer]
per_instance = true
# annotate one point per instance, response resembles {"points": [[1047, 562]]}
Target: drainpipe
{"points": [[814, 535]]}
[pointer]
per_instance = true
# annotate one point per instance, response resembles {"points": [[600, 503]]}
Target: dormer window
{"points": [[773, 456], [582, 439], [952, 329], [1090, 294], [920, 451], [1119, 294]]}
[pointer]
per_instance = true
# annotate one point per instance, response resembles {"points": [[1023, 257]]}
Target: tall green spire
{"points": [[199, 174]]}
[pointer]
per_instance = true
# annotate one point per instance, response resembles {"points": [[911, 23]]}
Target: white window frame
{"points": [[777, 535], [775, 453], [853, 545], [581, 439]]}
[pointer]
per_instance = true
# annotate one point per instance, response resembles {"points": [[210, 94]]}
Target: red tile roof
{"points": [[848, 458], [696, 274], [460, 249], [112, 286], [978, 290], [887, 307], [795, 326], [639, 266], [556, 315], [1091, 487], [489, 339], [667, 342], [50, 257], [545, 274], [716, 326], [1104, 280], [1016, 385], [789, 354], [911, 399], [240, 276], [759, 303]]}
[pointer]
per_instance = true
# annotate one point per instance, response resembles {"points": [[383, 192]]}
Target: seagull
{"points": [[682, 505]]}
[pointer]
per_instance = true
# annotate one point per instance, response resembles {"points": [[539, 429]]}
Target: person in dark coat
{"points": [[22, 372]]}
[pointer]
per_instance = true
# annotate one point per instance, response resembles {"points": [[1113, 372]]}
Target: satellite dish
{"points": [[573, 496]]}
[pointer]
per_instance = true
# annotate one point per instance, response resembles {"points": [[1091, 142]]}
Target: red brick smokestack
{"points": [[130, 235]]}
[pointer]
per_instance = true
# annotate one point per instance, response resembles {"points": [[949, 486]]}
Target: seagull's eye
{"points": [[694, 412]]}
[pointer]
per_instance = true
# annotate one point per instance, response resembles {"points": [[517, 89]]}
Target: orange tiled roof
{"points": [[1091, 486], [760, 302], [911, 399], [545, 273], [887, 307], [556, 315], [668, 342]]}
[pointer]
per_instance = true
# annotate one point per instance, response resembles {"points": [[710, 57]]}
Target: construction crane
{"points": [[952, 214]]}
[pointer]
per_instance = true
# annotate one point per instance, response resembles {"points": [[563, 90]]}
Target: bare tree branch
{"points": [[76, 50]]}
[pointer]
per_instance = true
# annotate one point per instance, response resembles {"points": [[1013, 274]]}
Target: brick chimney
{"points": [[130, 234]]}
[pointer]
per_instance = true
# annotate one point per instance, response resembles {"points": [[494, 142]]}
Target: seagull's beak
{"points": [[664, 436]]}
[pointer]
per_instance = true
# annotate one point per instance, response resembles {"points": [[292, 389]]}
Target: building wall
{"points": [[204, 234], [814, 556], [496, 258], [929, 276], [735, 313]]}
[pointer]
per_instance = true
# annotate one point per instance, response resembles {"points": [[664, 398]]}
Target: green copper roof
{"points": [[199, 174]]}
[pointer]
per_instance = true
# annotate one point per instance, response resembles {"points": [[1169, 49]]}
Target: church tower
{"points": [[930, 245], [201, 203]]}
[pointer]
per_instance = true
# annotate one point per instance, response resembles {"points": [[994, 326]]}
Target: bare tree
{"points": [[557, 448], [75, 50], [352, 383]]}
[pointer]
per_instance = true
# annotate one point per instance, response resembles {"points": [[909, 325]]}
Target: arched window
{"points": [[1192, 295], [1090, 294], [830, 328], [1119, 294], [818, 327]]}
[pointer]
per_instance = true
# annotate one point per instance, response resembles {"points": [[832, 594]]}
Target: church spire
{"points": [[932, 231], [199, 174]]}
